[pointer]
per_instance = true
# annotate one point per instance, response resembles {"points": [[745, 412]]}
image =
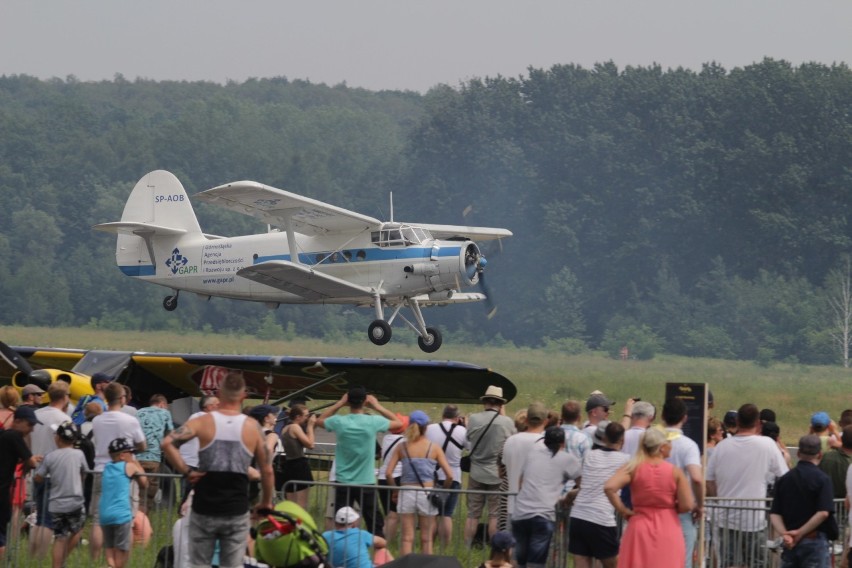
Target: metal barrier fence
{"points": [[757, 548]]}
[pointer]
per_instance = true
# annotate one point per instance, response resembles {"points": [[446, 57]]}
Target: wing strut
{"points": [[307, 388], [291, 239]]}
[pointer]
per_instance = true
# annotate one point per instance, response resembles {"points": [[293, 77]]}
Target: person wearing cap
{"points": [[420, 458], [545, 470], [685, 455], [14, 450], [592, 532], [739, 468], [803, 503], [99, 382], [43, 442], [31, 395], [66, 467], [220, 505], [115, 514], [517, 447], [824, 427], [597, 409], [451, 434], [355, 450], [348, 545], [297, 436], [729, 421], [487, 432], [155, 421], [502, 546], [387, 497]]}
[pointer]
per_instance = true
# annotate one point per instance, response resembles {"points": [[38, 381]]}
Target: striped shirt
{"points": [[592, 504]]}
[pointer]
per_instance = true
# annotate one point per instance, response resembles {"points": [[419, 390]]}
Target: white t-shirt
{"points": [[390, 444], [631, 440], [453, 452], [189, 450], [42, 436], [544, 474], [109, 426], [515, 452], [739, 466], [592, 504]]}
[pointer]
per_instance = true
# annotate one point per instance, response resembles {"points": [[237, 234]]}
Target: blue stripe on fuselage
{"points": [[371, 254], [138, 270]]}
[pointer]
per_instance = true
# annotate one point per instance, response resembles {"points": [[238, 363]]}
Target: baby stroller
{"points": [[288, 538]]}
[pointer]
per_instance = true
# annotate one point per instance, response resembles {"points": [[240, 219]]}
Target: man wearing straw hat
{"points": [[487, 431]]}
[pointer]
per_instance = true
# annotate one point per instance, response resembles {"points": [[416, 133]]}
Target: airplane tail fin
{"points": [[158, 212]]}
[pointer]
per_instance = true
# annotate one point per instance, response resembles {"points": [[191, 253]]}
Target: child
{"points": [[116, 516], [348, 544], [66, 467]]}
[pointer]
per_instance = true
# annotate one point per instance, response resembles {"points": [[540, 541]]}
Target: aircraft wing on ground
{"points": [[177, 375], [301, 280], [278, 207]]}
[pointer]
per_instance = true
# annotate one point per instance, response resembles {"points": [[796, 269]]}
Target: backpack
{"points": [[78, 416]]}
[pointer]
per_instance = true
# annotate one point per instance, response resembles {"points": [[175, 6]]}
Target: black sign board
{"points": [[694, 395]]}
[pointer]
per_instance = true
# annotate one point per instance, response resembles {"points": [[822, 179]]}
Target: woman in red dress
{"points": [[660, 491]]}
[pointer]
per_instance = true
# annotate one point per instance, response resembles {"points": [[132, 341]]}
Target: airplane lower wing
{"points": [[301, 280], [178, 375]]}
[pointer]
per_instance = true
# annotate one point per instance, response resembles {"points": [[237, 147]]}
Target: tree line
{"points": [[702, 213]]}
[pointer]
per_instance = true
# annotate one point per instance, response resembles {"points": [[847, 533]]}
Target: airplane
{"points": [[312, 253], [276, 379]]}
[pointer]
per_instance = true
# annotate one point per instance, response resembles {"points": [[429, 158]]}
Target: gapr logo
{"points": [[178, 264]]}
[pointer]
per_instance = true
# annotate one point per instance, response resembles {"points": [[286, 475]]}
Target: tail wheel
{"points": [[431, 342], [379, 332], [170, 303]]}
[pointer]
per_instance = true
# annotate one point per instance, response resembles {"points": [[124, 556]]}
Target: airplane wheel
{"points": [[170, 303], [432, 341], [379, 332]]}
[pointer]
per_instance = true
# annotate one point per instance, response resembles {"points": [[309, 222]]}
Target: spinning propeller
{"points": [[25, 374]]}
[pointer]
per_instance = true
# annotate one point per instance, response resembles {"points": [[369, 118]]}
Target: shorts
{"points": [[118, 536], [295, 470], [476, 501], [231, 532], [586, 538], [68, 524], [411, 502]]}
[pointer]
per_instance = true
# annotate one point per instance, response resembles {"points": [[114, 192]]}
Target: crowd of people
{"points": [[633, 488]]}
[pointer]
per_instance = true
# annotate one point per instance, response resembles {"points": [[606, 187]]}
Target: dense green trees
{"points": [[697, 212]]}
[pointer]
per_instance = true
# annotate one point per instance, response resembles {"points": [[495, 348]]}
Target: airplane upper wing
{"points": [[178, 375], [277, 207], [301, 280], [472, 233]]}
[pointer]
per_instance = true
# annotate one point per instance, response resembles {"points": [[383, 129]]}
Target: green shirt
{"points": [[355, 450], [834, 463]]}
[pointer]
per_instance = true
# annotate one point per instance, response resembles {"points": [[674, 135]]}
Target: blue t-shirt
{"points": [[155, 423], [115, 497], [355, 451], [348, 548]]}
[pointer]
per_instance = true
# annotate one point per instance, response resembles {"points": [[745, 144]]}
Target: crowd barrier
{"points": [[759, 549]]}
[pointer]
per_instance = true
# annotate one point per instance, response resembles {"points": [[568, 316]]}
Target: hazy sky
{"points": [[402, 44]]}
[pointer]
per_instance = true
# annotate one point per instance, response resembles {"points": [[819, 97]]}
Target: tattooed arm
{"points": [[263, 458], [174, 440]]}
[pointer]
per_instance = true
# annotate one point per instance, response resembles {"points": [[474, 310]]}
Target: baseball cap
{"points": [[66, 430], [119, 445], [261, 411], [346, 516], [419, 417], [537, 411], [27, 413], [597, 400], [810, 445], [357, 395], [730, 419], [99, 378], [31, 389], [820, 419], [502, 541]]}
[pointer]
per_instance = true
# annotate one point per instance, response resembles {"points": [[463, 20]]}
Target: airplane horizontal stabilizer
{"points": [[301, 280], [472, 233], [138, 229]]}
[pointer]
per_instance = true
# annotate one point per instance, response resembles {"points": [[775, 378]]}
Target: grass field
{"points": [[793, 391]]}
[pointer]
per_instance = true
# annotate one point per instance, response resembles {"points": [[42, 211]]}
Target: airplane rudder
{"points": [[160, 198]]}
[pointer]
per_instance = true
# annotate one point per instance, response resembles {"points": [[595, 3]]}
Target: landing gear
{"points": [[430, 342], [379, 332], [170, 302]]}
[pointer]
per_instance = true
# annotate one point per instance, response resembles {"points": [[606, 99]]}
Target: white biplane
{"points": [[313, 253]]}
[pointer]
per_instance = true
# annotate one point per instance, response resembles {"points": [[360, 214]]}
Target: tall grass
{"points": [[793, 391]]}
